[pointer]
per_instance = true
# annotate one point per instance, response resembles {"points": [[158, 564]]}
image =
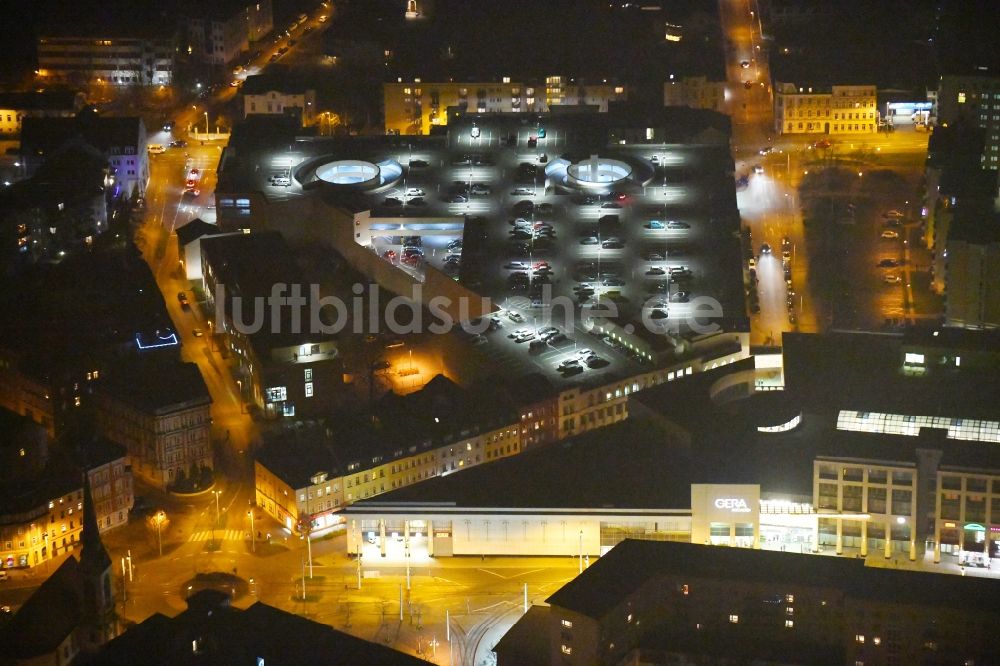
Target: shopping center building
{"points": [[711, 460]]}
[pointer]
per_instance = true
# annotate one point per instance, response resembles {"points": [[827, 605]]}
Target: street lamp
{"points": [[159, 518], [253, 535], [206, 123], [216, 523]]}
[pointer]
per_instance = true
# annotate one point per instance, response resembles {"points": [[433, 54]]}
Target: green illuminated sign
{"points": [[975, 527]]}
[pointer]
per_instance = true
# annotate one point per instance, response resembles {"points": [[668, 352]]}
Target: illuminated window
{"points": [[789, 624], [628, 618], [877, 640], [619, 90], [309, 374], [567, 649], [567, 623], [961, 98], [860, 638], [789, 598], [789, 610], [734, 619], [21, 452], [309, 389]]}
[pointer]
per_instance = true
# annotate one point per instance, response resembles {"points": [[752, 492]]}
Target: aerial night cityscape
{"points": [[514, 333]]}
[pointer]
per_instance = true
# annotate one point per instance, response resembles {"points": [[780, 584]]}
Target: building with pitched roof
{"points": [[72, 612], [665, 603], [212, 631]]}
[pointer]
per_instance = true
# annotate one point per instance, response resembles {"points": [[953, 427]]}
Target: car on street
{"points": [[417, 201], [595, 361], [197, 332], [889, 234], [418, 164], [891, 278], [680, 297], [765, 249], [545, 209], [393, 202], [744, 64], [654, 256], [525, 336], [674, 224], [179, 143], [611, 204], [389, 255], [889, 263], [414, 192], [758, 169], [183, 300], [457, 198], [656, 224], [895, 214], [748, 84], [612, 244], [766, 150], [589, 240], [516, 266], [480, 189], [655, 270], [515, 316]]}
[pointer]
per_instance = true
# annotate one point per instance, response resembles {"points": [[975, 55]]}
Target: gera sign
{"points": [[734, 504]]}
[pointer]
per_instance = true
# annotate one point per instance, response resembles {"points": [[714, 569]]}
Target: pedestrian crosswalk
{"points": [[221, 535]]}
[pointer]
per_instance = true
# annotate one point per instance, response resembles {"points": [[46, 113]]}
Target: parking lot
{"points": [[551, 254]]}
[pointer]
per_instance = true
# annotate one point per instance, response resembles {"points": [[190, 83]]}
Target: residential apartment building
{"points": [[436, 431], [698, 92], [665, 602], [836, 110], [284, 369], [41, 491], [115, 61], [16, 106], [121, 141], [159, 411], [972, 273], [976, 101], [279, 91], [218, 32], [414, 107]]}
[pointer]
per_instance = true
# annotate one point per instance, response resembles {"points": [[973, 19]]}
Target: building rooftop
{"points": [[194, 230], [224, 635], [863, 371], [527, 642], [439, 413], [156, 385], [592, 470], [41, 100], [633, 563], [249, 266], [278, 78], [42, 136], [49, 615]]}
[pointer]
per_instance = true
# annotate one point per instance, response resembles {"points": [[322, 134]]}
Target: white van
{"points": [[156, 148]]}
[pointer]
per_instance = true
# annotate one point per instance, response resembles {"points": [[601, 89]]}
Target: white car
{"points": [[891, 278], [890, 234], [895, 214], [414, 192]]}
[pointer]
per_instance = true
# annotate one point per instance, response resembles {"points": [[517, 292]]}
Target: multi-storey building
{"points": [[218, 32], [666, 603], [103, 59], [414, 107], [160, 413], [972, 268], [280, 92], [41, 491], [121, 141], [434, 432], [976, 101], [16, 106], [837, 110], [698, 92], [285, 368]]}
